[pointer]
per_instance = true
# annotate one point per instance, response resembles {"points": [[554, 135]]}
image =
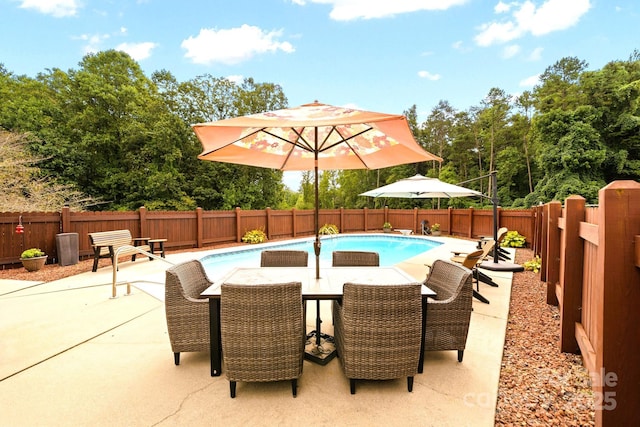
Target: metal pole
{"points": [[316, 246], [495, 201]]}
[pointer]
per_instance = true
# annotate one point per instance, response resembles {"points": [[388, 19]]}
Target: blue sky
{"points": [[380, 55]]}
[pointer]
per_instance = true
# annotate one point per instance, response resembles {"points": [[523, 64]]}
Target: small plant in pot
{"points": [[435, 229], [386, 227], [33, 259]]}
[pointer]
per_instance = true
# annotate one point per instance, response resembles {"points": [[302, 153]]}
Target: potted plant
{"points": [[386, 227], [33, 259], [255, 236], [328, 229], [435, 229]]}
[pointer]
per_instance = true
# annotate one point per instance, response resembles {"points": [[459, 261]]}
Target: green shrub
{"points": [[533, 265], [435, 227], [329, 229], [255, 236], [387, 225], [513, 239], [32, 253]]}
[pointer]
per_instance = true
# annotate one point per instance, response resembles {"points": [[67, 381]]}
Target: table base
{"points": [[311, 352]]}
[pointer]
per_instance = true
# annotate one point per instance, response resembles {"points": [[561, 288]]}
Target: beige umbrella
{"points": [[311, 137], [421, 187]]}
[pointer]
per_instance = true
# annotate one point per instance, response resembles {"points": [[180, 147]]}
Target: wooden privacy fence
{"points": [[200, 228], [591, 265]]}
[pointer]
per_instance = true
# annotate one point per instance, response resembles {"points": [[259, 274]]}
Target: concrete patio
{"points": [[73, 356]]}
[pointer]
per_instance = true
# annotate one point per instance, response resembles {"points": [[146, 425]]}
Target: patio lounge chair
{"points": [[262, 333], [377, 330], [187, 314], [502, 254], [448, 314], [464, 259]]}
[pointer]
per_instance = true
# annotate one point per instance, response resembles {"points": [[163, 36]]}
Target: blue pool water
{"points": [[392, 250]]}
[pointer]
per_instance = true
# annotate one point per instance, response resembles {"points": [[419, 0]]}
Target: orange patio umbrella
{"points": [[312, 137]]}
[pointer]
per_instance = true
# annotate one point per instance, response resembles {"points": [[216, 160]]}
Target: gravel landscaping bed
{"points": [[539, 386]]}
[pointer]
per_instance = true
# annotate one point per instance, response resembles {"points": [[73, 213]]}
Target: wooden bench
{"points": [[106, 243]]}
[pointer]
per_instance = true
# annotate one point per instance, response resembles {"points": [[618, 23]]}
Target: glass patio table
{"points": [[328, 287]]}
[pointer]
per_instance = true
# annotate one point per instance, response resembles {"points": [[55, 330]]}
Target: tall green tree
{"points": [[558, 85], [572, 154]]}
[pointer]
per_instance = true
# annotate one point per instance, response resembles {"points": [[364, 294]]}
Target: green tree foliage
{"points": [[572, 156], [112, 133]]}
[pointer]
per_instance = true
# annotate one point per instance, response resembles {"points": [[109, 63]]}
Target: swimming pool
{"points": [[392, 250]]}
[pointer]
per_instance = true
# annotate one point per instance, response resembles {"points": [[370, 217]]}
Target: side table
{"points": [[160, 249]]}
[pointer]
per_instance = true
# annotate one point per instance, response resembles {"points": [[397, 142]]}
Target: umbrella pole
{"points": [[494, 202], [316, 246]]}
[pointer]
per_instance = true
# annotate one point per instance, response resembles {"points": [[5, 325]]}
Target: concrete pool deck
{"points": [[72, 355]]}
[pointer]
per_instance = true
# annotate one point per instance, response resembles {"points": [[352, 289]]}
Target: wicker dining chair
{"points": [[355, 258], [449, 313], [284, 258], [187, 314], [377, 331], [261, 329]]}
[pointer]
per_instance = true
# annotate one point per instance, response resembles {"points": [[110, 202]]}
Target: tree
{"points": [[558, 87], [438, 129], [23, 185], [525, 102], [571, 157]]}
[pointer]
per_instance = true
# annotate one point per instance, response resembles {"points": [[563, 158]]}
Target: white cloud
{"points": [[137, 51], [536, 54], [511, 51], [347, 10], [501, 7], [429, 76], [235, 78], [530, 81], [56, 8], [94, 42], [232, 46], [550, 16]]}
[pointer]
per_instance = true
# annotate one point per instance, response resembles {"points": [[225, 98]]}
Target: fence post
{"points": [[294, 224], [268, 230], [571, 262], [65, 219], [617, 388], [415, 220], [199, 228], [365, 212], [552, 253], [341, 219], [142, 215], [544, 214], [386, 214], [470, 228], [238, 225], [449, 222]]}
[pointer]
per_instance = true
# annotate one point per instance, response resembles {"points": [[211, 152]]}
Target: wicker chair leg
{"points": [[352, 385], [232, 389], [460, 355], [176, 358], [294, 387], [410, 384]]}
